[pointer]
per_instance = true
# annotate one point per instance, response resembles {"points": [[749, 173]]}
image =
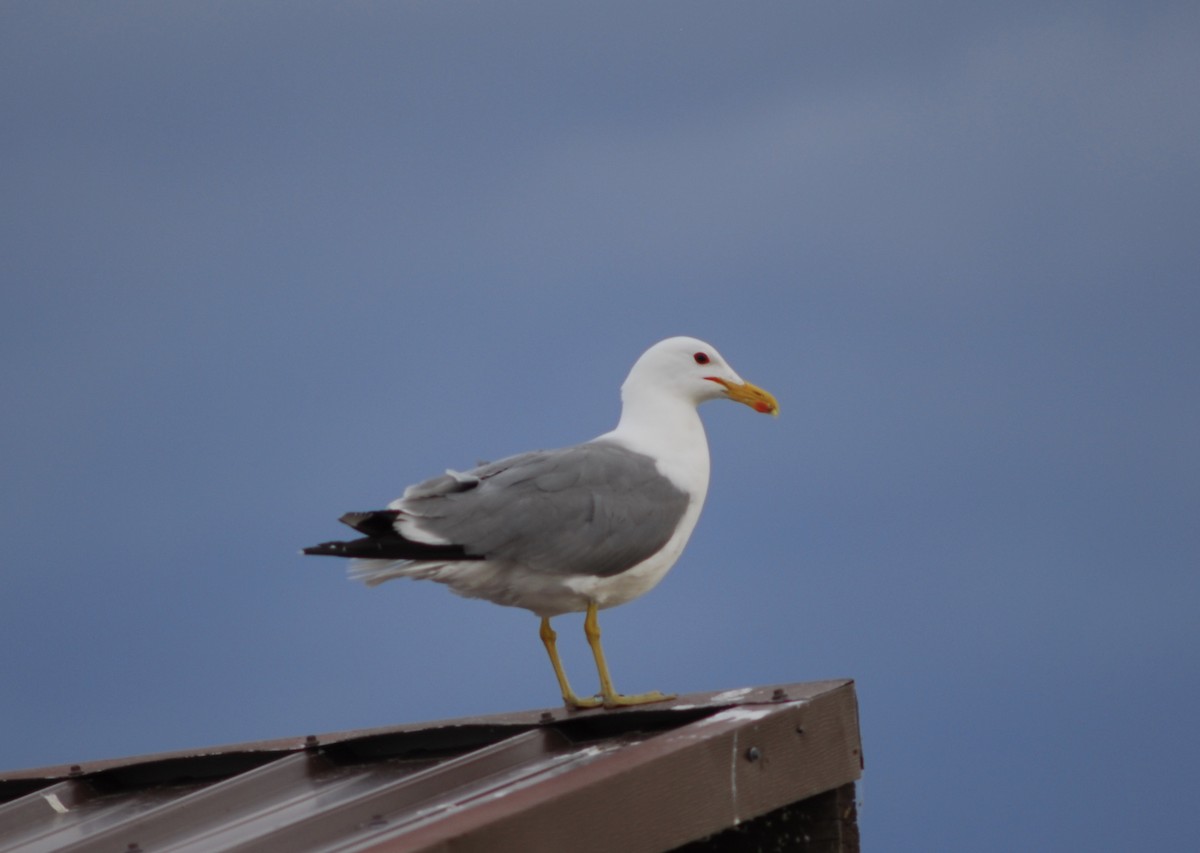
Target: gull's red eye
{"points": [[701, 358]]}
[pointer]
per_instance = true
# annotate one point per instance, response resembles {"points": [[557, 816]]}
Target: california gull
{"points": [[581, 528]]}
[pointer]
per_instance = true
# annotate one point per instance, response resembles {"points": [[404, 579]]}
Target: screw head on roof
{"points": [[779, 694], [752, 754], [547, 717]]}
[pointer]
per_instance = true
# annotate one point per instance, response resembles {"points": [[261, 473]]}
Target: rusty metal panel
{"points": [[82, 814], [639, 779], [26, 820], [429, 794]]}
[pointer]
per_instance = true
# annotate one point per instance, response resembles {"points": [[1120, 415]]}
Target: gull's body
{"points": [[578, 529]]}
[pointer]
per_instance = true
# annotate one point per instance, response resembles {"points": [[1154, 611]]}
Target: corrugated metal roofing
{"points": [[646, 778]]}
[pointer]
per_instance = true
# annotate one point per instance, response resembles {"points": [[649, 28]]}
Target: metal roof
{"points": [[646, 778]]}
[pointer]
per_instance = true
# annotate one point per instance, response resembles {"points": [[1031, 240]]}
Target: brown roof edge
{"points": [[456, 733], [765, 749]]}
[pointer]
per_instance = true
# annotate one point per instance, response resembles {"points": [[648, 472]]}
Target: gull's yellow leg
{"points": [[612, 699], [548, 640]]}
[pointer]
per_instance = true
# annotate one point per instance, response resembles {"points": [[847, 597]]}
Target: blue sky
{"points": [[266, 263]]}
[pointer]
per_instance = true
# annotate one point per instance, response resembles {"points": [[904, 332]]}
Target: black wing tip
{"points": [[376, 522], [327, 549], [392, 547]]}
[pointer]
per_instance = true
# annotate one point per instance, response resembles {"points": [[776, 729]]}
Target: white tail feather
{"points": [[375, 572]]}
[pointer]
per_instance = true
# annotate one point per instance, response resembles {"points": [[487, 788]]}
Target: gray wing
{"points": [[595, 509]]}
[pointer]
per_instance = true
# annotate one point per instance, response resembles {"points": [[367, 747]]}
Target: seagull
{"points": [[576, 529]]}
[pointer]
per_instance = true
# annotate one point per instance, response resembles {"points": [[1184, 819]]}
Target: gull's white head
{"points": [[692, 370]]}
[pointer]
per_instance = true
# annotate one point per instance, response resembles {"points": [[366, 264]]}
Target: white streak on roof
{"points": [[55, 803], [732, 695], [735, 715], [733, 779]]}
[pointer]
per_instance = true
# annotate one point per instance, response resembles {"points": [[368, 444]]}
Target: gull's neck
{"points": [[669, 430]]}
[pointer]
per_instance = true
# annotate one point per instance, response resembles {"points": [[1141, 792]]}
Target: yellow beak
{"points": [[751, 395]]}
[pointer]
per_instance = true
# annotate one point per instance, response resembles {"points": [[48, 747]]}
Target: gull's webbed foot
{"points": [[619, 700]]}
